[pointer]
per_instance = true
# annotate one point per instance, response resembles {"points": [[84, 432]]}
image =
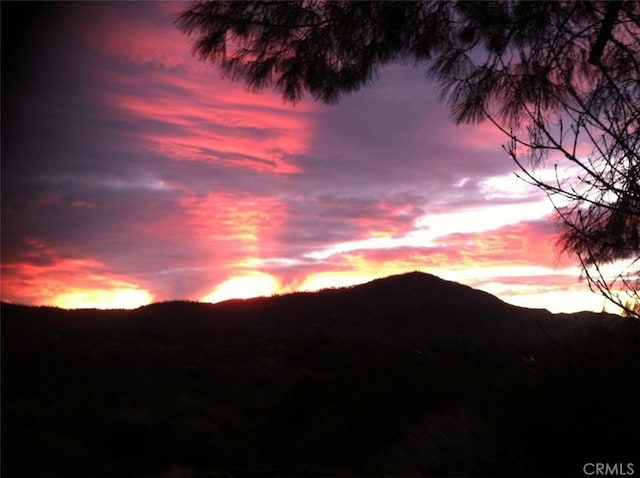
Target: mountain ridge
{"points": [[414, 306]]}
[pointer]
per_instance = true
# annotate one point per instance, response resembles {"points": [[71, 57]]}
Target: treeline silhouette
{"points": [[135, 393]]}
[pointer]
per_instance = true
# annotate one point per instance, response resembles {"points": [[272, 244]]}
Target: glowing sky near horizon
{"points": [[133, 173]]}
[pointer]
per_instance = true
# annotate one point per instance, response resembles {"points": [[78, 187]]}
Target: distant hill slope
{"points": [[407, 307]]}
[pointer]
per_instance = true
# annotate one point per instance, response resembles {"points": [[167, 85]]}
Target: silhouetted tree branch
{"points": [[561, 79]]}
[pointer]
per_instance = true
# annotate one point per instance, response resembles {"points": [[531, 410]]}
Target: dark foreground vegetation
{"points": [[89, 393]]}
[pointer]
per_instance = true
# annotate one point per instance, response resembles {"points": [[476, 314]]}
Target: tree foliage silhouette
{"points": [[561, 79]]}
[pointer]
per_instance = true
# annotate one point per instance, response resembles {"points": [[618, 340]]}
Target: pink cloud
{"points": [[388, 218], [198, 116], [46, 276]]}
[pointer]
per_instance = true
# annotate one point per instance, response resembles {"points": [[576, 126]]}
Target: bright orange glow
{"points": [[356, 268], [243, 287], [242, 234], [116, 298], [329, 280], [559, 297], [46, 277]]}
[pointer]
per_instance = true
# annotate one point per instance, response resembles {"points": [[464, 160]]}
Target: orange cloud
{"points": [[45, 276], [243, 226], [513, 253], [230, 232], [244, 286]]}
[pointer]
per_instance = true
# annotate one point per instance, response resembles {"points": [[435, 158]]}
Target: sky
{"points": [[132, 173]]}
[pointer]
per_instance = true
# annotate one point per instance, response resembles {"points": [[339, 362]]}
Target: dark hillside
{"points": [[408, 307], [404, 376]]}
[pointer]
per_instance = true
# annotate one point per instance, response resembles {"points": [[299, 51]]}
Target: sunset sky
{"points": [[133, 173]]}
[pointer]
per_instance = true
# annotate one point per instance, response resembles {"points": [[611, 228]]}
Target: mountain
{"points": [[407, 307], [409, 375]]}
